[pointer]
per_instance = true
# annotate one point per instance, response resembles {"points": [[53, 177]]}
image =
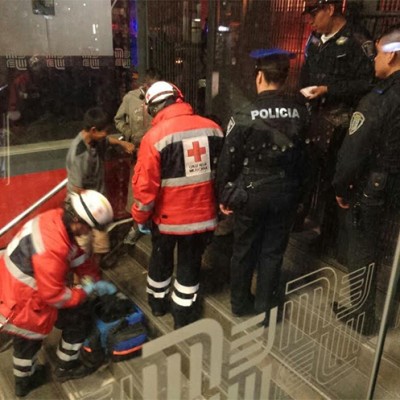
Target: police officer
{"points": [[367, 178], [259, 180], [337, 72]]}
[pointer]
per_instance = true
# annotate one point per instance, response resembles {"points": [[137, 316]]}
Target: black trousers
{"points": [[190, 249], [261, 235], [75, 324], [362, 229]]}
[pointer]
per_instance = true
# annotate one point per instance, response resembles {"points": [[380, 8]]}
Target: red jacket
{"points": [[173, 183], [34, 270]]}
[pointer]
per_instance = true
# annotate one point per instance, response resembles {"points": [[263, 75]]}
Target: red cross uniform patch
{"points": [[197, 155]]}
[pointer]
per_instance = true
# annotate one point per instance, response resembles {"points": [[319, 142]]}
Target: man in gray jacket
{"points": [[132, 119]]}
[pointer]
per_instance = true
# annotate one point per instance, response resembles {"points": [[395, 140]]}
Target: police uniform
{"points": [[369, 163], [262, 157], [343, 64]]}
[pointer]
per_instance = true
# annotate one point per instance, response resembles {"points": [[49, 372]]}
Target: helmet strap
{"points": [[153, 109], [90, 215]]}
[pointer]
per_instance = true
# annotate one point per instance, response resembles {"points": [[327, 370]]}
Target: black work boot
{"points": [[245, 308], [24, 385], [181, 315], [159, 306], [73, 370]]}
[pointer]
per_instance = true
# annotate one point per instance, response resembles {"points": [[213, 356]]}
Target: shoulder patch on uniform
{"points": [[315, 40], [356, 122], [230, 126], [369, 49], [342, 40]]}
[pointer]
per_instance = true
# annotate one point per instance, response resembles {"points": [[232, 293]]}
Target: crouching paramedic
{"points": [[34, 292], [173, 186]]}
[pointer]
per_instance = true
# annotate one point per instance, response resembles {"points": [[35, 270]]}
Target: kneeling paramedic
{"points": [[173, 186], [34, 292]]}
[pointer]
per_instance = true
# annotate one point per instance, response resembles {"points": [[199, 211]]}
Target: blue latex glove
{"points": [[89, 288], [144, 229], [104, 287]]}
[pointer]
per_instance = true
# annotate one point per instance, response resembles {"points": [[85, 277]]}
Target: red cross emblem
{"points": [[196, 151]]}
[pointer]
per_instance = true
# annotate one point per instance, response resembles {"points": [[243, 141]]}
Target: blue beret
{"points": [[261, 53], [313, 5]]}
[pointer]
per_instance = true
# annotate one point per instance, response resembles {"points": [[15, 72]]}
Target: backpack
{"points": [[118, 333]]}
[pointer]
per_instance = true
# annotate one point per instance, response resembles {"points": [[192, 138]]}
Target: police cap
{"points": [[274, 63], [264, 53], [314, 5]]}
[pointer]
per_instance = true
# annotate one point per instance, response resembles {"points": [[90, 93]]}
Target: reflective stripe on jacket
{"points": [[34, 270], [174, 175]]}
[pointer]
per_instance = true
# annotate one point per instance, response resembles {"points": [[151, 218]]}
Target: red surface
{"points": [[24, 190], [117, 180]]}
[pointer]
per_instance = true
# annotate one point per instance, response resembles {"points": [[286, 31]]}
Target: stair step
{"points": [[50, 391], [130, 276], [216, 306]]}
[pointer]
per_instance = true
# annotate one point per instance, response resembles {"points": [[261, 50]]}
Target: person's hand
{"points": [[128, 147], [317, 91], [104, 287], [225, 210], [89, 287], [14, 115], [342, 203], [313, 92], [144, 228]]}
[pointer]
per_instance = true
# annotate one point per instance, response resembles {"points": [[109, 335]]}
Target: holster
{"points": [[234, 195]]}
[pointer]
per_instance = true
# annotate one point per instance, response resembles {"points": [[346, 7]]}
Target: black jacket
{"points": [[265, 137], [373, 140], [343, 64]]}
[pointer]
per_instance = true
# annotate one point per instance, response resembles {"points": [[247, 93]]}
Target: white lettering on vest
{"points": [[271, 113]]}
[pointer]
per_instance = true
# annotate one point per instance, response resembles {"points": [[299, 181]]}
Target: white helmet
{"points": [[93, 208], [160, 91]]}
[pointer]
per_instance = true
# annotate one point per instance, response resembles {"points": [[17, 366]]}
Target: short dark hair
{"points": [[154, 74], [391, 34], [96, 117], [337, 7], [275, 68]]}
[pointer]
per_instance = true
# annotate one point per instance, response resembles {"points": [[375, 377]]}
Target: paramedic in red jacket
{"points": [[34, 290], [174, 197]]}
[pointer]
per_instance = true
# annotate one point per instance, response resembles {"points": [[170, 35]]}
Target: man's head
{"points": [[271, 67], [95, 122], [87, 210], [152, 75], [322, 15], [387, 59], [161, 94]]}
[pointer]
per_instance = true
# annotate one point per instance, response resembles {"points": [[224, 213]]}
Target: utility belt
{"points": [[270, 172], [328, 125], [235, 194]]}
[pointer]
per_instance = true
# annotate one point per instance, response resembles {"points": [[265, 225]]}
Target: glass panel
{"points": [[58, 58]]}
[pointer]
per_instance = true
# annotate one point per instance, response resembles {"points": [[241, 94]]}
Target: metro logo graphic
{"points": [[245, 361]]}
